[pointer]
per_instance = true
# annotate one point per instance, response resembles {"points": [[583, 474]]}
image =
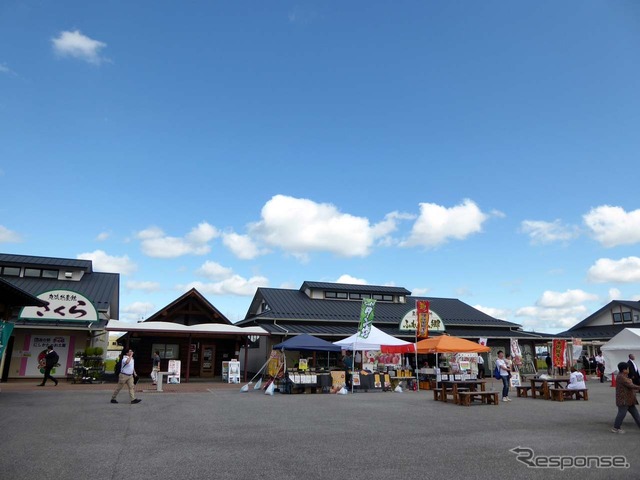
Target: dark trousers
{"points": [[601, 372], [47, 375], [622, 412], [480, 371]]}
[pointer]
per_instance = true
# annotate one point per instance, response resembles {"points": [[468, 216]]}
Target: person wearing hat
{"points": [[51, 360], [625, 398]]}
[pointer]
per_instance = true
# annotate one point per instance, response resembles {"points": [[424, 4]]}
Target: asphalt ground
{"points": [[213, 431]]}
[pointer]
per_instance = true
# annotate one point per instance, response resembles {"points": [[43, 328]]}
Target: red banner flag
{"points": [[558, 353], [422, 310]]}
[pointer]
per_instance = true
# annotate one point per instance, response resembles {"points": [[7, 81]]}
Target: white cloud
{"points": [[102, 236], [214, 271], [9, 236], [551, 320], [542, 232], [625, 270], [234, 285], [242, 246], [301, 226], [612, 226], [353, 280], [156, 244], [499, 313], [420, 292], [615, 294], [7, 70], [76, 45], [144, 286], [137, 311], [107, 263], [570, 298], [437, 224]]}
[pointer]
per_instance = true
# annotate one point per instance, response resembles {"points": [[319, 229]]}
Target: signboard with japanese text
{"points": [[409, 322], [33, 359], [63, 305]]}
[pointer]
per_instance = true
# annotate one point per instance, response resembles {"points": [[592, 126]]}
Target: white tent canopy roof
{"points": [[168, 327], [377, 338], [619, 347]]}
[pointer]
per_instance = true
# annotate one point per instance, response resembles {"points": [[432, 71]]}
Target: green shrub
{"points": [[98, 351]]}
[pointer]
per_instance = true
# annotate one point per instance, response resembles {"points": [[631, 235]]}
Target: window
{"points": [[342, 295], [626, 316], [11, 271], [32, 272], [167, 351], [359, 296], [384, 298], [49, 273]]}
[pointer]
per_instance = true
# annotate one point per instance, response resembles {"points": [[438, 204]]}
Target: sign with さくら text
{"points": [[62, 305]]}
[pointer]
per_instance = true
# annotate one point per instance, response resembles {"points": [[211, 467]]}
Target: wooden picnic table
{"points": [[543, 383], [455, 385]]}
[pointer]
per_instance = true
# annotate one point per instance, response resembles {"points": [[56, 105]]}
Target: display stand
{"points": [[234, 371], [174, 372]]}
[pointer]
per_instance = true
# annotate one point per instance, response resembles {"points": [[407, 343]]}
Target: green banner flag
{"points": [[5, 333], [366, 317]]}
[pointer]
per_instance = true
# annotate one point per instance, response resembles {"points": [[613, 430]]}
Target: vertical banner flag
{"points": [[576, 349], [482, 341], [558, 353], [516, 353], [366, 317], [422, 307], [5, 333]]}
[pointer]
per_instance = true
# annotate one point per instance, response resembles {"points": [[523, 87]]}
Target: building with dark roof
{"points": [[331, 311], [74, 305], [604, 324]]}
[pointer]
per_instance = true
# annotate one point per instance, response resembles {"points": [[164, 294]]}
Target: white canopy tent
{"points": [[377, 340], [619, 347]]}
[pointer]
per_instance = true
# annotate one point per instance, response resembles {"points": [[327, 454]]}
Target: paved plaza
{"points": [[211, 430]]}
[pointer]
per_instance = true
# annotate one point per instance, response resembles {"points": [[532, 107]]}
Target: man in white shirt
{"points": [[504, 375], [480, 366], [600, 366], [127, 372]]}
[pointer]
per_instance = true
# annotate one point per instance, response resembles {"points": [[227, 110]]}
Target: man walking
{"points": [[127, 372], [51, 360]]}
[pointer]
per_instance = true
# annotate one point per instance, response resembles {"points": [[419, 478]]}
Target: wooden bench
{"points": [[485, 397], [523, 391], [437, 394], [560, 394]]}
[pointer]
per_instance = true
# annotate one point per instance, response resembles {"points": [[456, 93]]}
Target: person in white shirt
{"points": [[480, 366], [127, 372], [576, 381], [504, 375], [600, 366]]}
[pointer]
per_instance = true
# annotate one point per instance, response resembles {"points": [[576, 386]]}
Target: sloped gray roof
{"points": [[600, 332], [13, 296], [294, 305], [101, 288], [585, 323], [347, 287], [15, 260]]}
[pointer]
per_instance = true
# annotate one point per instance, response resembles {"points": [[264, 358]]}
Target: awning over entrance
{"points": [[168, 327]]}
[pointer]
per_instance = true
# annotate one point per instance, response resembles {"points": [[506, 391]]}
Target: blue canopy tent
{"points": [[306, 342]]}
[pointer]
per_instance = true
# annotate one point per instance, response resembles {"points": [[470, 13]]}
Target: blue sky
{"points": [[485, 151]]}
